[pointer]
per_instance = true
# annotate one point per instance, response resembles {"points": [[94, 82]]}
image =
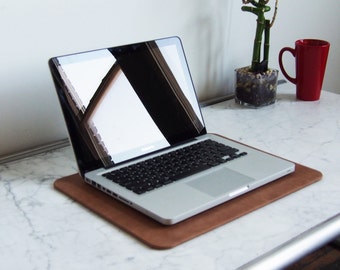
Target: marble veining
{"points": [[41, 228]]}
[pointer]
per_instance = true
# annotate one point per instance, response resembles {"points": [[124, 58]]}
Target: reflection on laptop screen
{"points": [[128, 101]]}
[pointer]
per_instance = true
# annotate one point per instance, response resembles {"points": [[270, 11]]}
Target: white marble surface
{"points": [[41, 228]]}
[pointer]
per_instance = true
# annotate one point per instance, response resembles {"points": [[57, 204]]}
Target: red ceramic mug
{"points": [[310, 65]]}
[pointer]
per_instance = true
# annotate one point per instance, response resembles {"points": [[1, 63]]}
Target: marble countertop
{"points": [[41, 228]]}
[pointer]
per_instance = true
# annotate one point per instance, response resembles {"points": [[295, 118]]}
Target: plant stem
{"points": [[263, 25]]}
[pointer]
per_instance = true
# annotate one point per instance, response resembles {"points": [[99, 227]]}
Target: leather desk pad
{"points": [[159, 236]]}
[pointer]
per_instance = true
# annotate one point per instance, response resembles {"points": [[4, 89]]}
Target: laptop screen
{"points": [[124, 102]]}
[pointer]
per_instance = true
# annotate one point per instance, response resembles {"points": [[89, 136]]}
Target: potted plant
{"points": [[256, 84]]}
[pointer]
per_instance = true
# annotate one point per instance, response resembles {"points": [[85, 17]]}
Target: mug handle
{"points": [[292, 51]]}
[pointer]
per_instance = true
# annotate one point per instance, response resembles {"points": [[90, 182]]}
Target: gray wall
{"points": [[217, 38]]}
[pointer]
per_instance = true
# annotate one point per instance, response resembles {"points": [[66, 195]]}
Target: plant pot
{"points": [[255, 89]]}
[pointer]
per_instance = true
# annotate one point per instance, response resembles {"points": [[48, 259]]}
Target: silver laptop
{"points": [[138, 134]]}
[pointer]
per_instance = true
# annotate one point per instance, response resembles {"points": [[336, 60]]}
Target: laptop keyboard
{"points": [[167, 168]]}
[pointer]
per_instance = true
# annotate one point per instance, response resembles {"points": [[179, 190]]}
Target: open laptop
{"points": [[129, 109]]}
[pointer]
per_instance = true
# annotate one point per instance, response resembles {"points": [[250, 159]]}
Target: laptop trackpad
{"points": [[224, 181]]}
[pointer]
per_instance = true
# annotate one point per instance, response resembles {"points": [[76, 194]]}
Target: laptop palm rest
{"points": [[221, 182]]}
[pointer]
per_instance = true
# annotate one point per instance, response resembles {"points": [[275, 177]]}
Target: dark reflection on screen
{"points": [[123, 102]]}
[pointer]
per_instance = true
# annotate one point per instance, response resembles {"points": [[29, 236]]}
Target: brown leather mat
{"points": [[159, 236]]}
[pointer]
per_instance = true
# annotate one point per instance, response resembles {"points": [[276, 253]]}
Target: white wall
{"points": [[217, 38]]}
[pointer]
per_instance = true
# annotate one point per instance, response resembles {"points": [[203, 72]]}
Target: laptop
{"points": [[137, 131]]}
